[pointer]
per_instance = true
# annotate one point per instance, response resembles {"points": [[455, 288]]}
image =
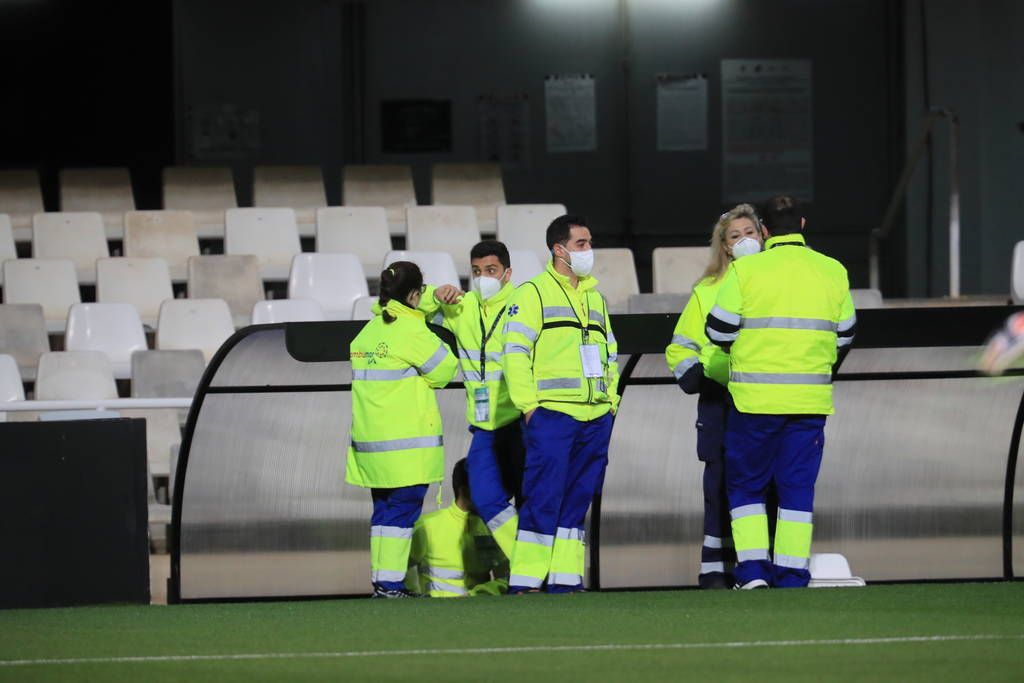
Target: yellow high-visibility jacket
{"points": [[690, 344], [396, 424], [454, 555]]}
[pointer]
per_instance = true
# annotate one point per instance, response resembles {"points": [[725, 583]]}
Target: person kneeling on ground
{"points": [[453, 553]]}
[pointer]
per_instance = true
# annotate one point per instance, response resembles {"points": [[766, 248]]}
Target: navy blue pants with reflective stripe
{"points": [[716, 555], [495, 467], [399, 507], [565, 465], [786, 450]]}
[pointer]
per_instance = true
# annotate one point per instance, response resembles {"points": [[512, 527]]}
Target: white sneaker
{"points": [[751, 585]]}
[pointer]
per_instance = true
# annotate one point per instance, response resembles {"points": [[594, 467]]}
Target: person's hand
{"points": [[528, 415], [448, 294]]}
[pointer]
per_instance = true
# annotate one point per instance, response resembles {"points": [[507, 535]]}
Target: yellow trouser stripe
{"points": [[793, 538]]}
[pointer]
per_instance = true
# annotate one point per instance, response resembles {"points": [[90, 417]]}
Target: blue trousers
{"points": [[565, 466], [717, 556], [495, 465], [786, 450], [395, 511]]}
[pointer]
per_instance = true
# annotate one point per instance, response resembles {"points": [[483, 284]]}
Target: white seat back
{"points": [[1017, 274], [359, 230], [75, 375], [444, 228], [11, 388], [363, 308], [23, 336], [170, 235], [866, 298], [287, 311], [384, 185], [616, 277], [113, 329], [271, 235], [525, 265], [202, 324], [7, 249], [107, 191], [51, 283], [142, 282], [334, 281], [476, 185], [437, 266], [298, 187], [206, 191], [78, 236], [677, 269], [234, 279], [21, 197], [525, 226]]}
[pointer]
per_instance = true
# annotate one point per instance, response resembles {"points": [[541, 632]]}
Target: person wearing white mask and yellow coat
{"points": [[701, 367]]}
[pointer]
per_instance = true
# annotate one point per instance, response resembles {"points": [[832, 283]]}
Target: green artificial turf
{"points": [[542, 622]]}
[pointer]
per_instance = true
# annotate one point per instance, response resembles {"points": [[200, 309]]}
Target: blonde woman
{"points": [[703, 368]]}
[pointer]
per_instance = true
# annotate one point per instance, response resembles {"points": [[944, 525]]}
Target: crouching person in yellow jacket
{"points": [[397, 447], [453, 553]]}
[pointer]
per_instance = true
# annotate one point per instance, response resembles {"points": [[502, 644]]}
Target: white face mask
{"points": [[745, 247], [581, 262], [488, 286]]}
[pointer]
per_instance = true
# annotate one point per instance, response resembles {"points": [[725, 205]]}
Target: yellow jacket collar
{"points": [[399, 309], [458, 513], [587, 282], [792, 238]]}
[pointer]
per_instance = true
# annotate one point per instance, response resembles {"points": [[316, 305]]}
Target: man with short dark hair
{"points": [[786, 317], [560, 366]]}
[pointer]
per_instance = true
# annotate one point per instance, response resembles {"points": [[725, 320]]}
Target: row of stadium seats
{"points": [[209, 191]]}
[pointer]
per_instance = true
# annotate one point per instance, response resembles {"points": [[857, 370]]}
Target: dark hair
{"points": [[558, 231], [460, 478], [491, 248], [781, 215], [396, 281]]}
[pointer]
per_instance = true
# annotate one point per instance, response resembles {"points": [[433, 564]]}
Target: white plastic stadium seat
{"points": [[79, 236], [7, 249], [166, 374], [205, 191], [71, 375], [657, 303], [23, 336], [235, 279], [444, 228], [476, 185], [202, 324], [384, 185], [162, 434], [11, 388], [298, 187], [271, 235], [287, 311], [866, 298], [525, 226], [524, 265], [142, 282], [21, 197], [104, 190], [1017, 274], [359, 230], [51, 283], [437, 266], [170, 235], [113, 329], [334, 281], [677, 269], [363, 308], [616, 275]]}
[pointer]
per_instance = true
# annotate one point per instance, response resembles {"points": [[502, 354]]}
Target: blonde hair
{"points": [[720, 258]]}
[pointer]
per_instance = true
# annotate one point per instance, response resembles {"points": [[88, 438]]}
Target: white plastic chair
{"points": [[170, 235], [235, 279], [1017, 274], [23, 336], [21, 197], [384, 185], [113, 329], [79, 236], [444, 228], [866, 298], [202, 324], [163, 433], [525, 265], [271, 235], [359, 230], [142, 282], [298, 187], [206, 191], [363, 308], [476, 185], [437, 266], [11, 388], [616, 276], [525, 226], [7, 249], [676, 269], [75, 375], [107, 191], [286, 311], [51, 283], [334, 281]]}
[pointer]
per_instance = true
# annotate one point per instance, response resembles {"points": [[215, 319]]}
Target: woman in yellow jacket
{"points": [[702, 368], [397, 447]]}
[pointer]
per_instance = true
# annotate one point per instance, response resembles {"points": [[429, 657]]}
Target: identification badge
{"points": [[482, 404], [590, 354]]}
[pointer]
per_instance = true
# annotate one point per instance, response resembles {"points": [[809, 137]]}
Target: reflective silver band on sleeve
{"points": [[684, 365], [725, 316], [434, 360], [685, 342], [500, 519], [522, 329], [722, 336], [597, 317], [846, 325]]}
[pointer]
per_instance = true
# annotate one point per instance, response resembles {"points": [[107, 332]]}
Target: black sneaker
{"points": [[755, 584], [379, 592]]}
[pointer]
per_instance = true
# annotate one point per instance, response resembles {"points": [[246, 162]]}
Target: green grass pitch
{"points": [[920, 632]]}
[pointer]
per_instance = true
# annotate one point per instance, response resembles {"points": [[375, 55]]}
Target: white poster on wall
{"points": [[767, 129], [571, 110], [682, 112], [505, 130]]}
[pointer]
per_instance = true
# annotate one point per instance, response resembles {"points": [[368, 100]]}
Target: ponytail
{"points": [[397, 281]]}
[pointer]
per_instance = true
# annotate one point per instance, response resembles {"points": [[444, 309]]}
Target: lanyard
{"points": [[586, 310], [484, 337]]}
